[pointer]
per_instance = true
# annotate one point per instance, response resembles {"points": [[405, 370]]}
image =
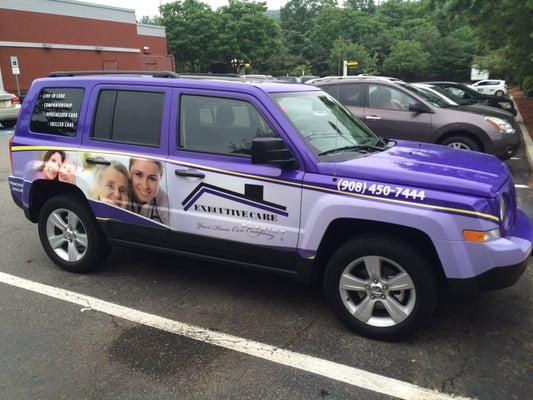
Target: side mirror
{"points": [[418, 107], [270, 150]]}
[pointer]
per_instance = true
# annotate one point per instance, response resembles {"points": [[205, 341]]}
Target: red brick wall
{"points": [[39, 28]]}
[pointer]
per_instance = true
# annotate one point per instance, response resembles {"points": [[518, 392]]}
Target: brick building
{"points": [[40, 36]]}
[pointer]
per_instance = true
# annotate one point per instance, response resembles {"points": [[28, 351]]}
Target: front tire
{"points": [[70, 234], [461, 142], [380, 287]]}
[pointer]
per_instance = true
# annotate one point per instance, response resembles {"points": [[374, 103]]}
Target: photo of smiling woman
{"points": [[146, 196], [67, 172], [51, 164]]}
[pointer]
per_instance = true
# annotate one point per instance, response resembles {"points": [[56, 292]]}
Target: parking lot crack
{"points": [[448, 385], [298, 334]]}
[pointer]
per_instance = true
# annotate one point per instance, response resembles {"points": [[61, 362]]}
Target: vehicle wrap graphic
{"points": [[133, 184], [408, 196], [253, 196]]}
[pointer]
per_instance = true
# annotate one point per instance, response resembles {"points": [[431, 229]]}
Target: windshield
{"points": [[449, 94], [428, 96], [325, 124]]}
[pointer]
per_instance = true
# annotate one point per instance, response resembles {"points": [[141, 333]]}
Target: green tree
{"points": [[504, 29], [450, 54], [245, 33], [407, 60], [190, 25], [296, 20], [333, 29], [395, 12], [451, 57], [368, 6], [155, 20], [342, 51]]}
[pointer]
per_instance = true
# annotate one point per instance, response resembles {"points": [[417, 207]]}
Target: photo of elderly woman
{"points": [[51, 164], [146, 196], [112, 184]]}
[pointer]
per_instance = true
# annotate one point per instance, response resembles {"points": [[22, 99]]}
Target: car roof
{"points": [[447, 82], [357, 78], [205, 81]]}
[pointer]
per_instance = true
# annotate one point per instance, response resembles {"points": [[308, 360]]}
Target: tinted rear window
{"points": [[56, 111], [127, 116], [348, 94]]}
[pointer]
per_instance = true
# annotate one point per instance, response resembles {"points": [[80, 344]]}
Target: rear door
{"points": [[122, 167]]}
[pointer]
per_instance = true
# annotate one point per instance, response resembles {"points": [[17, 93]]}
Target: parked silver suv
{"points": [[399, 110]]}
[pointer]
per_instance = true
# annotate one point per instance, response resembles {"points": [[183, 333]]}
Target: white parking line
{"points": [[339, 372]]}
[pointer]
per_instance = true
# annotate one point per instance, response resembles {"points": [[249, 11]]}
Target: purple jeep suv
{"points": [[265, 175]]}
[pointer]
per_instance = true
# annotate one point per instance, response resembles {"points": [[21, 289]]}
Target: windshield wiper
{"points": [[356, 147], [383, 141], [320, 135]]}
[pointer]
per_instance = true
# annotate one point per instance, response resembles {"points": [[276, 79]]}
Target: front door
{"points": [[387, 114], [220, 203]]}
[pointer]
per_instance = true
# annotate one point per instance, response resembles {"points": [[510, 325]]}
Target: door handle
{"points": [[373, 117], [189, 172], [98, 161]]}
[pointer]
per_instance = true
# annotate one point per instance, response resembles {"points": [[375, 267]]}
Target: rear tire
{"points": [[499, 93], [10, 123], [380, 287], [70, 234]]}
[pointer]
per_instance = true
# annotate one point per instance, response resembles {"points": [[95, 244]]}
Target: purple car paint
{"points": [[275, 177]]}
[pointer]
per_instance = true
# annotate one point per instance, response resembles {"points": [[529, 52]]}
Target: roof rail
{"points": [[155, 74]]}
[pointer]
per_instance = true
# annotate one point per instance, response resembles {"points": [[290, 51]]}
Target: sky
{"points": [[150, 7]]}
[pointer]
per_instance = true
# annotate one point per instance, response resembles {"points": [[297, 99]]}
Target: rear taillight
{"points": [[11, 154], [15, 100]]}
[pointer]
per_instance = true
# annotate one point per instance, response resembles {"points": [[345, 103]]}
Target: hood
{"points": [[489, 111], [430, 166]]}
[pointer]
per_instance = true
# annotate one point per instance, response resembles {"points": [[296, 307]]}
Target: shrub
{"points": [[527, 86]]}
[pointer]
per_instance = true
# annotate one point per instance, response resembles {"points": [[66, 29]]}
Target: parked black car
{"points": [[471, 96]]}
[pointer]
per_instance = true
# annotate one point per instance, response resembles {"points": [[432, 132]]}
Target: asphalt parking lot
{"points": [[152, 326]]}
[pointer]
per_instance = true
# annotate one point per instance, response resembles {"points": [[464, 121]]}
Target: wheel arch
{"points": [[341, 230], [43, 190], [469, 135]]}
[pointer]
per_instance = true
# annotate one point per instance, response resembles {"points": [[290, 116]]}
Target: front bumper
{"points": [[490, 260], [497, 278]]}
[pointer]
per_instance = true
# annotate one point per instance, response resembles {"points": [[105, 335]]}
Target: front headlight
{"points": [[501, 125], [506, 218], [506, 213]]}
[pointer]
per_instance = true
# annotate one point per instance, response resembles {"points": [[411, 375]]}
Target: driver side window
{"points": [[387, 97], [220, 125]]}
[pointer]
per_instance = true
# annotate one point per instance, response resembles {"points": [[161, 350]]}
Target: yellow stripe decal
{"points": [[263, 178]]}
